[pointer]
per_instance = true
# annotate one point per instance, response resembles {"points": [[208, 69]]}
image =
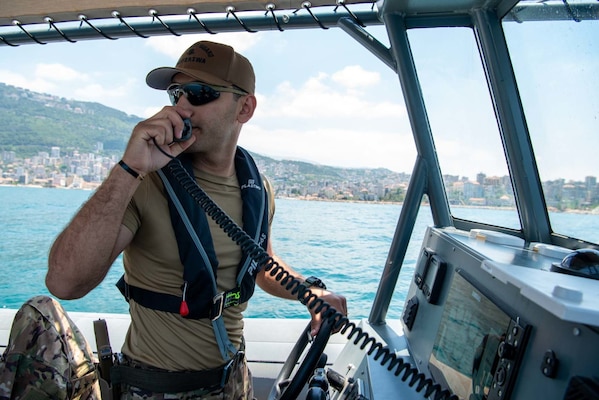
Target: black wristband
{"points": [[310, 282], [133, 173]]}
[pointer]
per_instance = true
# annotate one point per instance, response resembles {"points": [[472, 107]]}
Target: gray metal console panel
{"points": [[562, 312], [375, 380]]}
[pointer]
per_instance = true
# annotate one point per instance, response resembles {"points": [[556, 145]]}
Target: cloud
{"points": [[320, 97], [15, 79], [59, 73], [103, 93], [101, 86], [174, 46], [46, 78], [322, 121], [150, 111], [354, 76], [342, 147]]}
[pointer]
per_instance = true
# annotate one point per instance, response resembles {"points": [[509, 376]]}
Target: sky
{"points": [[322, 97]]}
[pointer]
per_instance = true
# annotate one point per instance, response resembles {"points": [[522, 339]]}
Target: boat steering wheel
{"points": [[288, 389]]}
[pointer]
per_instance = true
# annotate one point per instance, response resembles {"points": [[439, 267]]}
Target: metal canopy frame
{"points": [[269, 19], [29, 22]]}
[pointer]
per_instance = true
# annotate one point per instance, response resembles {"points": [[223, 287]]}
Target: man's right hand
{"points": [[142, 154]]}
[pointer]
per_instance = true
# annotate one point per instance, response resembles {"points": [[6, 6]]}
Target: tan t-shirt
{"points": [[151, 261]]}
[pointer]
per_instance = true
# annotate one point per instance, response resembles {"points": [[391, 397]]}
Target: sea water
{"points": [[345, 244]]}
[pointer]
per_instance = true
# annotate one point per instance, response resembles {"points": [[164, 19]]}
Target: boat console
{"points": [[486, 318]]}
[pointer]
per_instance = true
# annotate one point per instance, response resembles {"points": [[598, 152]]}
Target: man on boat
{"points": [[186, 280]]}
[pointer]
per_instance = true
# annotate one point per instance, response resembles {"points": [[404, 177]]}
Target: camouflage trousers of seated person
{"points": [[47, 357], [238, 387]]}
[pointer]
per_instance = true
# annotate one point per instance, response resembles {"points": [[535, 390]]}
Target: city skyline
{"points": [[55, 152], [86, 170]]}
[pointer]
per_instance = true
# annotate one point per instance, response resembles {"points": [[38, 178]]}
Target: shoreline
{"points": [[93, 186]]}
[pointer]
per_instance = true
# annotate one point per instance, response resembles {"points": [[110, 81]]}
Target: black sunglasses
{"points": [[198, 93]]}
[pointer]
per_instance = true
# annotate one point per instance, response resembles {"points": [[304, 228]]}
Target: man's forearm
{"points": [[272, 286], [82, 254]]}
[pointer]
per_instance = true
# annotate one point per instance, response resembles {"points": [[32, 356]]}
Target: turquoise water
{"points": [[345, 244]]}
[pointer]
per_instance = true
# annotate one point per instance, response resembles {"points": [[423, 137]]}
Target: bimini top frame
{"points": [[33, 22], [120, 21]]}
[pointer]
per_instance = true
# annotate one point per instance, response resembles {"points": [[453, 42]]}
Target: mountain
{"points": [[31, 122]]}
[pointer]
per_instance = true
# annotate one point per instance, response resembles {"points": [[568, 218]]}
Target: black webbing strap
{"points": [[170, 382]]}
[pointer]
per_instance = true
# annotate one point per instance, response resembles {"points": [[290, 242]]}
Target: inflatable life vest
{"points": [[200, 298]]}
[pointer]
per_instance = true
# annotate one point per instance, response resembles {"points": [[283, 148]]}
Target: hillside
{"points": [[31, 122]]}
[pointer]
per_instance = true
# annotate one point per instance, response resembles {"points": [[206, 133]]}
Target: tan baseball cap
{"points": [[211, 63]]}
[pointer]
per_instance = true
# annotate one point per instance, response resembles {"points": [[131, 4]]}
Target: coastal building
{"points": [[293, 179]]}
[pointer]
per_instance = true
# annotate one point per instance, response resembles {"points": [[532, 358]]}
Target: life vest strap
{"points": [[224, 300], [149, 299]]}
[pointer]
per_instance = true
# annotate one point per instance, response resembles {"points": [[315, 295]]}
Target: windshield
{"points": [[556, 63], [463, 123]]}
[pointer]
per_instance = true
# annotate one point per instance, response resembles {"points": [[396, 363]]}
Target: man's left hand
{"points": [[337, 301]]}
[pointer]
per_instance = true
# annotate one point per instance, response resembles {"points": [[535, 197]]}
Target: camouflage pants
{"points": [[47, 356]]}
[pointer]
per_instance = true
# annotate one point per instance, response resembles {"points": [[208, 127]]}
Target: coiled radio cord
{"points": [[388, 358]]}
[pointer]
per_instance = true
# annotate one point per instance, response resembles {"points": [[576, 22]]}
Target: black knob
{"points": [[506, 350], [500, 376]]}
